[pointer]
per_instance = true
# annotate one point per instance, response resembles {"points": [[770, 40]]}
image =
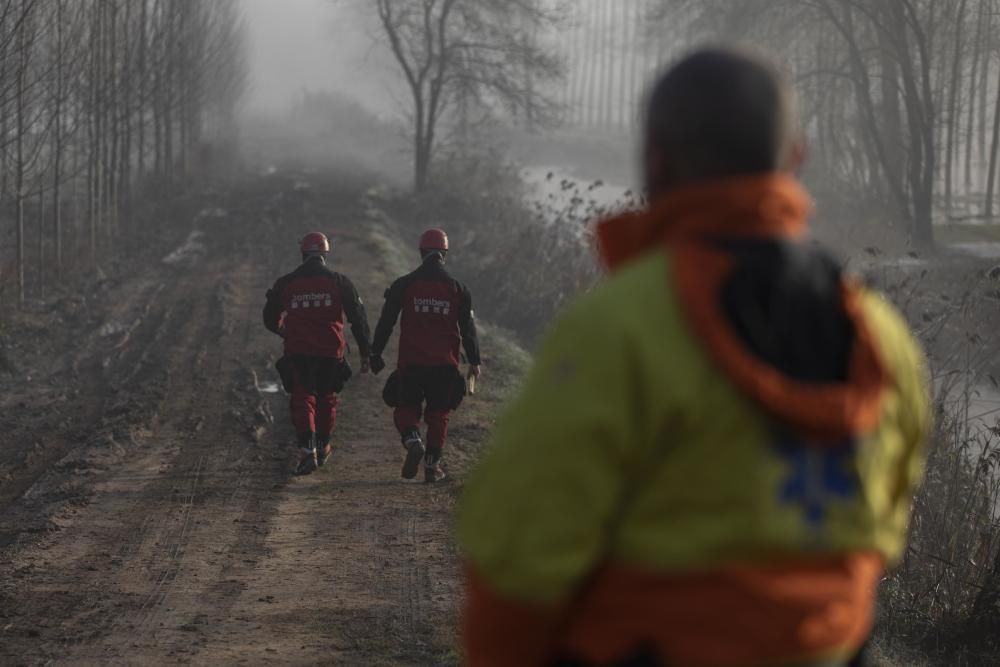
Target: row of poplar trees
{"points": [[103, 102], [611, 54]]}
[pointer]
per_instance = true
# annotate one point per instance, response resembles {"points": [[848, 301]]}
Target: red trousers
{"points": [[431, 392], [314, 401], [408, 418], [313, 414]]}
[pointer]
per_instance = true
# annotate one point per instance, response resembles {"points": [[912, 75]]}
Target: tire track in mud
{"points": [[159, 552], [95, 589], [85, 365], [202, 428]]}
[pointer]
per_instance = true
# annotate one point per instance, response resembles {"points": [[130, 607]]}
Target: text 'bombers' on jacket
{"points": [[724, 438], [308, 307], [436, 319]]}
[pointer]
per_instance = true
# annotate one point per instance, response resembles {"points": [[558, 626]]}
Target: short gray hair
{"points": [[723, 112]]}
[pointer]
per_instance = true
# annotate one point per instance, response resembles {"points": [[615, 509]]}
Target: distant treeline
{"points": [[611, 56]]}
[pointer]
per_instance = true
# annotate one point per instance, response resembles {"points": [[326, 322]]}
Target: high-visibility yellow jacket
{"points": [[713, 458]]}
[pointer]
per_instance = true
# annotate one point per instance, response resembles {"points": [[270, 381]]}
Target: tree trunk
{"points": [[110, 162], [591, 94], [985, 95], [953, 115], [142, 97], [157, 106], [574, 75], [20, 126], [624, 98], [124, 158], [183, 91], [607, 67], [977, 57], [41, 239], [638, 65], [57, 144], [892, 125], [994, 147], [529, 83], [421, 154]]}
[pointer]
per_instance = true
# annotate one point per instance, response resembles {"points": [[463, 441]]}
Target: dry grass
{"points": [[934, 602]]}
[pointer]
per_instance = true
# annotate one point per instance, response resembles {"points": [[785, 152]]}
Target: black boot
{"points": [[433, 472], [323, 449], [414, 447], [307, 454]]}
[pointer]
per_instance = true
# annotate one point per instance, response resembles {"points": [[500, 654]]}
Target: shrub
{"points": [[522, 262], [943, 597]]}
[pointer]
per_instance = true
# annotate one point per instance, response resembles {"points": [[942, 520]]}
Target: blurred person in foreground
{"points": [[308, 308], [713, 459]]}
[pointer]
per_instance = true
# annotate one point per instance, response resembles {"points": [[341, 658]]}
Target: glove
{"points": [[471, 376], [377, 363]]}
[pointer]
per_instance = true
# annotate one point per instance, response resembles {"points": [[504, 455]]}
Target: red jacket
{"points": [[436, 319], [308, 307]]}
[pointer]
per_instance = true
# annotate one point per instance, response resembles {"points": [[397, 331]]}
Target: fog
{"points": [[315, 45], [161, 162]]}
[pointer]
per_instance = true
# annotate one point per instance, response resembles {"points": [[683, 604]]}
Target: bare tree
{"points": [[484, 48]]}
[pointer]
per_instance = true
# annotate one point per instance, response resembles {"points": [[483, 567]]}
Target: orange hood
{"points": [[763, 206], [773, 206]]}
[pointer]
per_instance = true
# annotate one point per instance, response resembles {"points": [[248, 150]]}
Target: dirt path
{"points": [[156, 522]]}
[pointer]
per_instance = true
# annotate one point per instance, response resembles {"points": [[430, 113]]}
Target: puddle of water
{"points": [[904, 262], [980, 249]]}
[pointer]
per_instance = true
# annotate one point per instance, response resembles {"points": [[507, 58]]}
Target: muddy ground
{"points": [[146, 511]]}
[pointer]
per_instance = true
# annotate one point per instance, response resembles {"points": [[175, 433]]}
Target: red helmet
{"points": [[434, 239], [315, 243]]}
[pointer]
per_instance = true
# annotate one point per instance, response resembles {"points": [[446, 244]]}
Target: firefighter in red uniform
{"points": [[307, 308], [436, 320]]}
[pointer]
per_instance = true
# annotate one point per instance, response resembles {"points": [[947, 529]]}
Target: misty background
{"points": [[161, 157], [311, 45], [303, 48]]}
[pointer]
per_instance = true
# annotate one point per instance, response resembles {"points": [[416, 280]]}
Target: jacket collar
{"points": [[770, 205]]}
